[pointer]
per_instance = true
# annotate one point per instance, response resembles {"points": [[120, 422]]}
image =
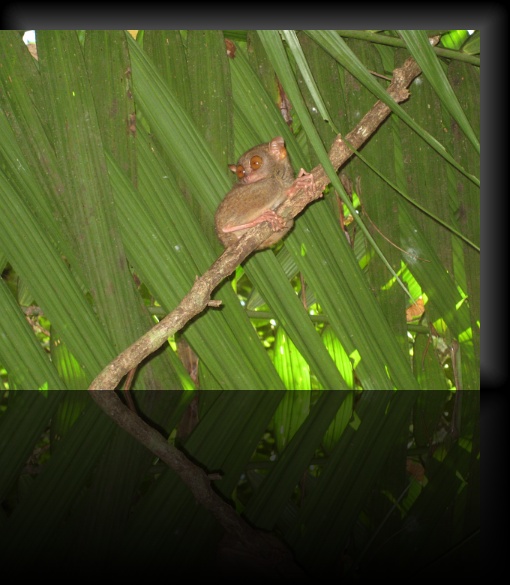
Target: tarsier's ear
{"points": [[233, 168], [277, 148]]}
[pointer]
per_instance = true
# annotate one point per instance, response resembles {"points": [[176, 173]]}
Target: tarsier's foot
{"points": [[276, 222], [303, 181]]}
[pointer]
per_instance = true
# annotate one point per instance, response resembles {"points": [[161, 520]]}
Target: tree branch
{"points": [[265, 548], [199, 297]]}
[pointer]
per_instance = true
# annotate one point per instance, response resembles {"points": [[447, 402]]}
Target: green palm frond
{"points": [[128, 173]]}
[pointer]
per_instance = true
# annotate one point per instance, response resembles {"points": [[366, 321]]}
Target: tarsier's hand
{"points": [[303, 181]]}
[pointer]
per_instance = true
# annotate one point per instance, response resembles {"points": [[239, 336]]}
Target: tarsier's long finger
{"points": [[304, 181]]}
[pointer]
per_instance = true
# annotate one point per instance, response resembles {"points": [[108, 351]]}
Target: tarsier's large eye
{"points": [[240, 172], [256, 162]]}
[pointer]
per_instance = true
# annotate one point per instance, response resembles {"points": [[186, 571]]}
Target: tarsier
{"points": [[265, 181]]}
